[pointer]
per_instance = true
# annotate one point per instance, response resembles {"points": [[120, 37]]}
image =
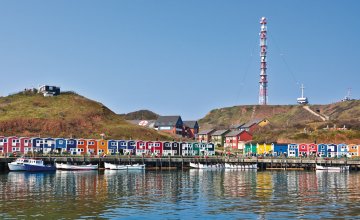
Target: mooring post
{"points": [[182, 162]]}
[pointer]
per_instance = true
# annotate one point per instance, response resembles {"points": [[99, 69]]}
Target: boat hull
{"points": [[35, 168], [61, 166], [205, 166], [240, 167], [124, 167], [16, 167], [342, 168]]}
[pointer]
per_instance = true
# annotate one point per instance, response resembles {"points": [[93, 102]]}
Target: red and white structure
{"points": [[263, 93]]}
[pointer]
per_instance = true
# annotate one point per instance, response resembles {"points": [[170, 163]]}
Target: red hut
{"points": [[82, 145], [313, 148], [303, 150], [92, 147], [158, 148]]}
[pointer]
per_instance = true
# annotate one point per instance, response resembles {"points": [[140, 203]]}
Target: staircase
{"points": [[322, 116]]}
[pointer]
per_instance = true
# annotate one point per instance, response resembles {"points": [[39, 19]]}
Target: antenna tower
{"points": [[263, 94]]}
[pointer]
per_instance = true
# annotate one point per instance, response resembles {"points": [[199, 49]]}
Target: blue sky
{"points": [[181, 57]]}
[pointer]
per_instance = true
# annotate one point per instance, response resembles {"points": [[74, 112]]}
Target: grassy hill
{"points": [[292, 123], [69, 114], [140, 115]]}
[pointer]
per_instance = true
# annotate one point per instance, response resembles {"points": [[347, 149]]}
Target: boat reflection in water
{"points": [[180, 194]]}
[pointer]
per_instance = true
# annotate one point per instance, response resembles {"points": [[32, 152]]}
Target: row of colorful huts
{"points": [[24, 145]]}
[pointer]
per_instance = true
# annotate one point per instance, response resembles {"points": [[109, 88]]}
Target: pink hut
{"points": [[313, 148], [158, 148], [3, 144], [303, 150], [25, 145], [13, 145]]}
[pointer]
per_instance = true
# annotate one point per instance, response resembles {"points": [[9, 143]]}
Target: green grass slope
{"points": [[69, 114]]}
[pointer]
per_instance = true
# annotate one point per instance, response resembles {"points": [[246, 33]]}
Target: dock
{"points": [[183, 162]]}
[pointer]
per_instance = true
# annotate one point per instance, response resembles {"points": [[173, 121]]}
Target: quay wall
{"points": [[183, 162]]}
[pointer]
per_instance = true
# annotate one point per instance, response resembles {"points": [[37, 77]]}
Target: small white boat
{"points": [[136, 167], [240, 167], [205, 166], [18, 164], [124, 167], [63, 166], [341, 168], [114, 166]]}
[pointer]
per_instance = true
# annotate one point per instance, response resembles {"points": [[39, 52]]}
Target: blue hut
{"points": [[322, 150], [280, 149], [60, 145], [112, 147], [49, 145], [122, 145], [342, 150], [131, 147], [332, 150], [38, 144], [293, 150], [71, 146]]}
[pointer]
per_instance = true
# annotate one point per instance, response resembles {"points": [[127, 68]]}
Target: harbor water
{"points": [[174, 194]]}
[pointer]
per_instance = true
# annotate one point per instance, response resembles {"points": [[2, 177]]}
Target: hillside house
{"points": [[170, 124], [252, 125], [191, 129], [47, 90], [205, 136], [218, 137], [234, 139]]}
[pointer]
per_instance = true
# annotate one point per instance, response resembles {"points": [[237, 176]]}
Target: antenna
{"points": [[302, 100], [263, 94]]}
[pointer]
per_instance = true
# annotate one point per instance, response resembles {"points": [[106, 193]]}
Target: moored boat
{"points": [[136, 166], [206, 166], [63, 166], [340, 168], [18, 164], [240, 167], [35, 165], [124, 167]]}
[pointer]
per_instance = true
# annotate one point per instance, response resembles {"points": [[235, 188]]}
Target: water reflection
{"points": [[179, 194]]}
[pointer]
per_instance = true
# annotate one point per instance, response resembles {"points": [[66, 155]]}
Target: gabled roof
{"points": [[250, 123], [191, 124], [237, 126], [220, 132], [206, 132], [167, 120], [234, 133]]}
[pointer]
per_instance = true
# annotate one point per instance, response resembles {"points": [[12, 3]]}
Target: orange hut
{"points": [[353, 150], [92, 146], [103, 147], [82, 146]]}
